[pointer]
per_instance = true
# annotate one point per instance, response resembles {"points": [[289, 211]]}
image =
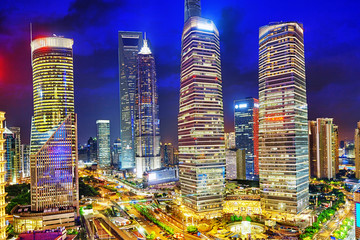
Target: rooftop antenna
{"points": [[30, 32], [144, 35]]}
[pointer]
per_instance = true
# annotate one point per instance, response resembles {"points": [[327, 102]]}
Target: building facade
{"points": [[200, 119], [147, 123], [103, 143], [357, 152], [235, 164], [323, 148], [2, 179], [129, 47], [167, 155], [283, 124], [230, 142], [25, 161], [53, 150], [247, 133]]}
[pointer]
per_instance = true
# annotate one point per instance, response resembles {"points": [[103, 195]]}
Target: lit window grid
{"points": [[281, 167], [200, 121], [2, 179]]}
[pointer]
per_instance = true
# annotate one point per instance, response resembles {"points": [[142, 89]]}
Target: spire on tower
{"points": [[192, 8], [145, 48]]}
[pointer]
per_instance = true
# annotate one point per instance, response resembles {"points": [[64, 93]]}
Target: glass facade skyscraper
{"points": [[192, 9], [129, 47], [103, 143], [200, 119], [247, 133], [147, 129], [54, 163], [283, 124]]}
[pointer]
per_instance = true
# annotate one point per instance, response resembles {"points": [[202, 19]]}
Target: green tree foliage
{"points": [[192, 229], [248, 218], [22, 199], [87, 190]]}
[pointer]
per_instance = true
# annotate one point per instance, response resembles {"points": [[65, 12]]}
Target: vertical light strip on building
{"points": [[54, 163], [283, 126], [129, 46], [200, 119], [2, 179], [147, 128]]}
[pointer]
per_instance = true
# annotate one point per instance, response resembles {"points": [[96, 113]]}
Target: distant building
{"points": [[350, 149], [230, 142], [2, 179], [247, 133], [25, 160], [357, 154], [323, 148], [129, 47], [116, 151], [147, 122], [235, 164], [92, 150], [103, 143], [17, 170], [167, 155]]}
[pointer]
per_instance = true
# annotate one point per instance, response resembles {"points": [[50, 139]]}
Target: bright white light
{"points": [[152, 176], [205, 26], [244, 105], [236, 106], [256, 105]]}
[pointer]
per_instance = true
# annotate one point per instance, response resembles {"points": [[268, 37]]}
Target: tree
{"points": [[248, 218], [192, 229]]}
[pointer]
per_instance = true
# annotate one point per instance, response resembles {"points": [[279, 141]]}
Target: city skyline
{"points": [[324, 85]]}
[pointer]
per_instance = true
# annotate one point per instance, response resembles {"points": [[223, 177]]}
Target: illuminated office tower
{"points": [[247, 133], [116, 151], [283, 124], [230, 142], [25, 160], [53, 150], [147, 124], [103, 143], [129, 47], [357, 153], [92, 149], [323, 148], [167, 155], [200, 119], [2, 179], [12, 155]]}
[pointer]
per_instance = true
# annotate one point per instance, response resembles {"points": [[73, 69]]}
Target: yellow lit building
{"points": [[2, 180]]}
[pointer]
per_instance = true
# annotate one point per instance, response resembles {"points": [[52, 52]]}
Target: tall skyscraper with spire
{"points": [[129, 47], [283, 123], [54, 163], [200, 119], [147, 129]]}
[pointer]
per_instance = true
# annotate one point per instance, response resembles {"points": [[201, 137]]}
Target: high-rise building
{"points": [[192, 9], [167, 155], [92, 150], [230, 142], [17, 170], [147, 123], [283, 124], [25, 161], [116, 154], [53, 157], [323, 148], [103, 143], [235, 164], [247, 133], [9, 146], [129, 47], [349, 149], [357, 152], [2, 179], [200, 119]]}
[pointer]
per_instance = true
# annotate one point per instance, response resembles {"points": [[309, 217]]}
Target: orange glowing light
{"points": [[275, 118]]}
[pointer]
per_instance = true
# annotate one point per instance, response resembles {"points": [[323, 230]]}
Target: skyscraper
{"points": [[192, 9], [92, 149], [357, 151], [116, 154], [283, 126], [2, 179], [323, 148], [230, 142], [103, 143], [54, 164], [247, 133], [129, 46], [200, 119], [12, 155], [25, 161], [147, 127], [167, 155]]}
